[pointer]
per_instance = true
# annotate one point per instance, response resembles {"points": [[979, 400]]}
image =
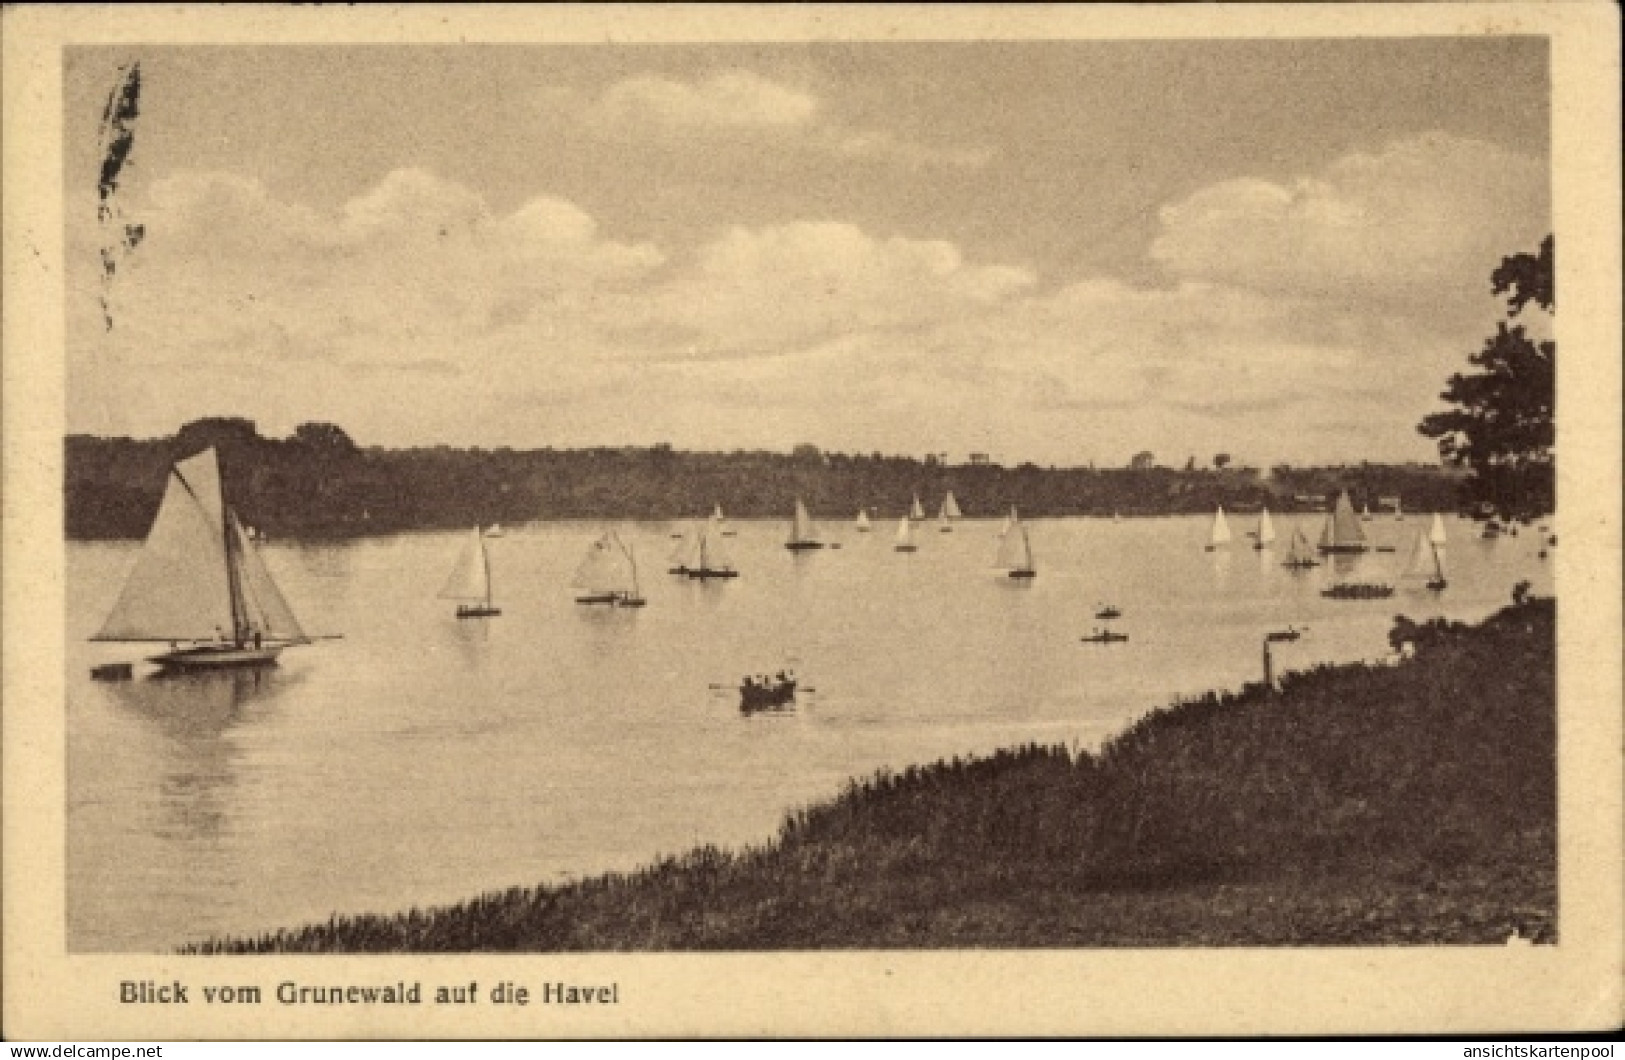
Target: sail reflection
{"points": [[194, 714]]}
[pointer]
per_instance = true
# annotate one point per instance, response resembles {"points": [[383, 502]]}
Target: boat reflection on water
{"points": [[193, 715]]}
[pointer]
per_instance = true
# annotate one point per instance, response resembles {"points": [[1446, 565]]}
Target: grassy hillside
{"points": [[1406, 804]]}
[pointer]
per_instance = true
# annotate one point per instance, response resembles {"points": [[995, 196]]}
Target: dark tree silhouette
{"points": [[1502, 428]]}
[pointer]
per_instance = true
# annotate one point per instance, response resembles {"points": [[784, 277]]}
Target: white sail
{"points": [[1343, 525], [1015, 549], [1421, 558], [1266, 529], [607, 567], [470, 577], [264, 610], [180, 587], [1436, 531], [1220, 534], [915, 511], [905, 533], [1010, 520], [710, 552], [950, 507], [1299, 552], [1438, 560], [716, 514], [802, 529], [863, 520]]}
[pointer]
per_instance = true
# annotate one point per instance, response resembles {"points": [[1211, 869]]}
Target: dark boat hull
{"points": [[1023, 574], [770, 697], [802, 546], [217, 657], [478, 611], [707, 574]]}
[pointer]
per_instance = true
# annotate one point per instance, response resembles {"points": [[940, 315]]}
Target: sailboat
{"points": [[1365, 515], [494, 530], [803, 535], [198, 579], [701, 555], [1009, 521], [1436, 531], [1016, 550], [1299, 555], [863, 521], [948, 513], [1427, 559], [905, 536], [471, 580], [609, 573], [1343, 532], [1220, 534], [720, 523], [915, 511], [1266, 531]]}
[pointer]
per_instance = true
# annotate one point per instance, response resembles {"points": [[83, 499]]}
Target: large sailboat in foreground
{"points": [[199, 580]]}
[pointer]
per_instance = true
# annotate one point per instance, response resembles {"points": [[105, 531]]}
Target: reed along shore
{"points": [[1359, 805]]}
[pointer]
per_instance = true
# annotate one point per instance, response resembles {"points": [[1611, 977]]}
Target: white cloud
{"points": [[415, 313], [741, 105], [1419, 222]]}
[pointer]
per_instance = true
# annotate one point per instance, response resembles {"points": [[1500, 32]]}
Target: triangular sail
{"points": [[607, 567], [1436, 531], [1421, 558], [1220, 534], [950, 507], [1345, 524], [1299, 551], [915, 511], [905, 532], [802, 529], [471, 576], [1266, 529], [1015, 550], [265, 611], [180, 587], [1438, 560], [863, 520]]}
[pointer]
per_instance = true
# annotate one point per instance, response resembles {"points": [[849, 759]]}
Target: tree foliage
{"points": [[1502, 427]]}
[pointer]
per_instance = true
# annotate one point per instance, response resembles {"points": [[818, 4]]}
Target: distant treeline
{"points": [[319, 483]]}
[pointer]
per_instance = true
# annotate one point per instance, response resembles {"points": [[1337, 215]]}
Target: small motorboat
{"points": [[1104, 636], [1108, 612]]}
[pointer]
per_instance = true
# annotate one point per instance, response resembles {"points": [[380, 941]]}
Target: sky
{"points": [[1057, 251]]}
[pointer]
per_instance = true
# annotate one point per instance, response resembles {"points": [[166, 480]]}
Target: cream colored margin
{"points": [[1577, 984]]}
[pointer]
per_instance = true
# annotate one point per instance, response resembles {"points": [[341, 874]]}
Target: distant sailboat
{"points": [[1427, 561], [1219, 536], [915, 511], [1343, 532], [949, 512], [1299, 554], [494, 530], [471, 580], [199, 579], [720, 523], [863, 522], [609, 573], [1266, 530], [905, 536], [1015, 553], [803, 535], [1436, 531], [701, 555], [1365, 515], [1009, 521]]}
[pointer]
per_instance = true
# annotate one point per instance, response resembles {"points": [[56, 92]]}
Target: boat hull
{"points": [[1023, 574], [802, 546], [478, 611], [217, 657], [1343, 550], [707, 574], [598, 598]]}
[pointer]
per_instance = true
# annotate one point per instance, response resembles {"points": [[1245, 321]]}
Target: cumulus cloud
{"points": [[1420, 221], [1294, 322], [739, 104]]}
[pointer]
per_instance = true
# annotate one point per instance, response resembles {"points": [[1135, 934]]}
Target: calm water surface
{"points": [[422, 759]]}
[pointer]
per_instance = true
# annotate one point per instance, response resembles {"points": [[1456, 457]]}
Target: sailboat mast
{"points": [[485, 561], [239, 613]]}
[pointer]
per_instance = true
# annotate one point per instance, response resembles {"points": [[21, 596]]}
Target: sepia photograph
{"points": [[872, 487]]}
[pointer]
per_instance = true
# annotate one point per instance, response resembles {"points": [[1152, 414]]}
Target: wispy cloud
{"points": [[739, 104]]}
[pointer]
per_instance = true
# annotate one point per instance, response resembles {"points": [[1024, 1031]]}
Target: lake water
{"points": [[424, 759]]}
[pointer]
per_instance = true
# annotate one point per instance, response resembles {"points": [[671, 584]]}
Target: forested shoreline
{"points": [[318, 482]]}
